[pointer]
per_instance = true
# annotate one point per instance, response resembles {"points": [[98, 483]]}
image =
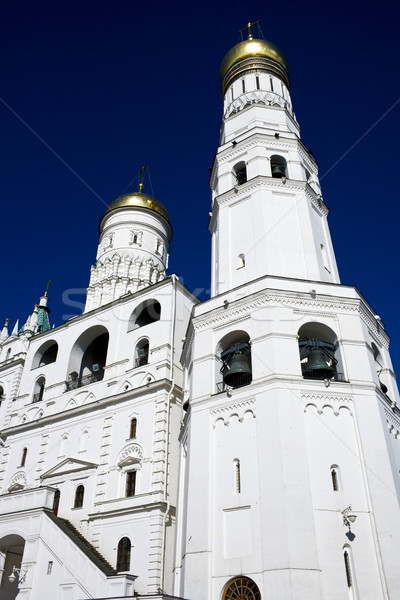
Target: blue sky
{"points": [[91, 91]]}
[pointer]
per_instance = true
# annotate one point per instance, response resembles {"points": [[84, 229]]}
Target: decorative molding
{"points": [[323, 401], [18, 482], [132, 454], [243, 403]]}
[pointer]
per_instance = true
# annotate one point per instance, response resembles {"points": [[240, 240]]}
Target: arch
{"points": [[319, 351], [240, 172], [12, 555], [88, 357], [2, 394], [145, 313], [142, 352], [241, 588], [45, 355], [278, 166], [234, 351], [79, 495], [38, 389], [124, 554], [348, 567]]}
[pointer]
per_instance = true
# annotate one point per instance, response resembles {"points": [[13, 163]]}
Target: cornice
{"points": [[322, 401]]}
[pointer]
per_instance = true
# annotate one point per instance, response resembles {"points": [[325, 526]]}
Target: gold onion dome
{"points": [[138, 200], [250, 55]]}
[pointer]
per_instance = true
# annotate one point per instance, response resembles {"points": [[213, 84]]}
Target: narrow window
{"points": [[240, 173], [241, 261], [1, 395], [335, 480], [132, 432], [23, 458], [347, 567], [8, 353], [243, 86], [49, 567], [124, 554], [257, 82], [39, 389], [271, 84], [142, 353], [325, 258], [56, 502], [80, 492], [130, 483], [236, 467], [231, 94], [135, 238]]}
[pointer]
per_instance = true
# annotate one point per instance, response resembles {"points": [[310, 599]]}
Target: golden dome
{"points": [[254, 54], [139, 200]]}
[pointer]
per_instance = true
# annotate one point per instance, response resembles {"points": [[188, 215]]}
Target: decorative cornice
{"points": [[321, 402]]}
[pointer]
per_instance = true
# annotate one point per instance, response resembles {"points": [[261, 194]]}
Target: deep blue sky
{"points": [[109, 86]]}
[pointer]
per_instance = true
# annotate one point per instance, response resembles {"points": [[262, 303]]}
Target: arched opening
{"points": [[241, 588], [79, 494], [38, 389], [11, 566], [319, 352], [142, 353], [46, 354], [23, 457], [133, 427], [88, 357], [124, 555], [240, 172], [1, 394], [234, 351], [147, 312], [56, 502], [130, 486], [278, 166], [335, 477]]}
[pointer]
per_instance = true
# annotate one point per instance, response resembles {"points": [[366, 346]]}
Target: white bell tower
{"points": [[268, 215], [290, 451]]}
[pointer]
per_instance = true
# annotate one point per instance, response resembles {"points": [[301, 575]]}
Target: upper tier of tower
{"points": [[268, 216], [135, 233]]}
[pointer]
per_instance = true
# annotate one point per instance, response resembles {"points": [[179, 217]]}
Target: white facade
{"points": [[155, 445]]}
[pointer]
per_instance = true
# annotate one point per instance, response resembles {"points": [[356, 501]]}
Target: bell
{"points": [[237, 368], [278, 170], [318, 361]]}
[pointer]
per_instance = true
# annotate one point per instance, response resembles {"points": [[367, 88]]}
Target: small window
{"points": [[160, 248], [335, 479], [124, 555], [135, 238], [347, 567], [257, 83], [130, 483], [79, 494], [142, 353], [236, 475], [1, 394], [56, 502], [23, 457], [241, 262], [147, 312], [325, 258], [243, 86], [49, 567], [39, 389], [241, 588], [240, 173], [132, 431]]}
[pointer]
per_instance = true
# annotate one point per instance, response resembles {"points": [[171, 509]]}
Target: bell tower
{"points": [[291, 401], [268, 216]]}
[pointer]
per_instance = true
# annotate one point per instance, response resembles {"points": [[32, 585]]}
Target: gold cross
{"points": [[248, 27], [141, 171]]}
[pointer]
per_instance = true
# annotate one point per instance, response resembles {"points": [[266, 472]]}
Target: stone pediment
{"points": [[68, 465]]}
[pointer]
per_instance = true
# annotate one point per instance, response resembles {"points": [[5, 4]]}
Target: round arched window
{"points": [[241, 588]]}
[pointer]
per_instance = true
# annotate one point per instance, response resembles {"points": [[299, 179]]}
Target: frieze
{"points": [[323, 401], [232, 406]]}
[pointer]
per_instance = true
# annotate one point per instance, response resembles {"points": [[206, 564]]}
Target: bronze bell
{"points": [[278, 171], [238, 366], [318, 361]]}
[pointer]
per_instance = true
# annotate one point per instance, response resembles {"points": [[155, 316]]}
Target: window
{"points": [[46, 354], [271, 83], [23, 457], [142, 353], [38, 390], [241, 262], [132, 431], [243, 86], [347, 567], [240, 173], [124, 554], [159, 248], [335, 478], [325, 258], [135, 238], [79, 494], [236, 475], [257, 83], [241, 588], [56, 502], [1, 394], [278, 166], [130, 483]]}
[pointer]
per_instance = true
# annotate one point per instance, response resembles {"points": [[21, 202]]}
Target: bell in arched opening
{"points": [[278, 166], [320, 362], [236, 368]]}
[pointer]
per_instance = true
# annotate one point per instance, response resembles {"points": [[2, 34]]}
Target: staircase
{"points": [[82, 543]]}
